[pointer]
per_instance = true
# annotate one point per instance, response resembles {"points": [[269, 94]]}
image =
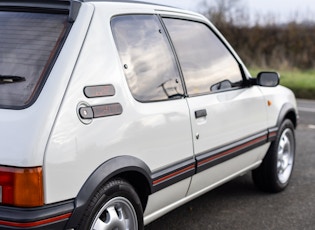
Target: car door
{"points": [[228, 118], [159, 120]]}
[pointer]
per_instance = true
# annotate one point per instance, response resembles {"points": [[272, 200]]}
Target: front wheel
{"points": [[274, 174], [115, 206]]}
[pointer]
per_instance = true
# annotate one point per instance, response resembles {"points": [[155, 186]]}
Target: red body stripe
{"points": [[35, 223], [232, 150], [272, 134], [173, 174], [240, 147]]}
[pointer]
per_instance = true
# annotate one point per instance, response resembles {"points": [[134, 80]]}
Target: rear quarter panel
{"points": [[75, 150]]}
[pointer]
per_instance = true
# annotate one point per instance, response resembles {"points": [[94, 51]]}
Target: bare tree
{"points": [[222, 12]]}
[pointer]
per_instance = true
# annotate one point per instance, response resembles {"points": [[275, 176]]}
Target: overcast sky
{"points": [[283, 10]]}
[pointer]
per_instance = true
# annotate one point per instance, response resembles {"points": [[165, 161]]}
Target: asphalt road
{"points": [[239, 205]]}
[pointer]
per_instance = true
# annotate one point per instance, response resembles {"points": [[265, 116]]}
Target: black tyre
{"points": [[274, 174], [117, 206]]}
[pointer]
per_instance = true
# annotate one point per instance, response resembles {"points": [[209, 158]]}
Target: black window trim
{"points": [[179, 68]]}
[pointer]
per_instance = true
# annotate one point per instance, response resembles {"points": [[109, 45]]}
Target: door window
{"points": [[207, 65]]}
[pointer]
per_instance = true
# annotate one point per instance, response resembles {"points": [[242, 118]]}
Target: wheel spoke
{"points": [[99, 225], [114, 220], [282, 143], [124, 217]]}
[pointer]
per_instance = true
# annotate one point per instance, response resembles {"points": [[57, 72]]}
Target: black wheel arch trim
{"points": [[287, 109], [100, 176]]}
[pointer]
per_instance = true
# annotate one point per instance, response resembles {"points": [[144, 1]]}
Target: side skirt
{"points": [[155, 215], [208, 159]]}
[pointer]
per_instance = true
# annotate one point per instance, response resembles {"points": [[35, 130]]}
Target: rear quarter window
{"points": [[148, 61], [28, 45]]}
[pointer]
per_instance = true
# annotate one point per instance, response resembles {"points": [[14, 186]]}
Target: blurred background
{"points": [[268, 35]]}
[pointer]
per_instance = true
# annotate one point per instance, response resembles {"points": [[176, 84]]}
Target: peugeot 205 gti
{"points": [[113, 113]]}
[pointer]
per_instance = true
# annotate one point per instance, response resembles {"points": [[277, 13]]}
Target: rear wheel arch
{"points": [[128, 168], [140, 184]]}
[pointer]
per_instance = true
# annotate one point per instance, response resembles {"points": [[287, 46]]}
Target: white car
{"points": [[114, 113]]}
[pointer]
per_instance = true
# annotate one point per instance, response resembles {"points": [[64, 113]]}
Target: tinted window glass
{"points": [[147, 58], [28, 41], [206, 63]]}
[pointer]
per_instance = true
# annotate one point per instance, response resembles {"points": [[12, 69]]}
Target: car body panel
{"points": [[231, 116], [277, 97]]}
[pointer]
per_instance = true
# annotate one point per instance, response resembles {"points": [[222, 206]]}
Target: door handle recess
{"points": [[200, 113]]}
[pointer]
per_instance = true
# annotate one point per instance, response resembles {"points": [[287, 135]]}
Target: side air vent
{"points": [[99, 91]]}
